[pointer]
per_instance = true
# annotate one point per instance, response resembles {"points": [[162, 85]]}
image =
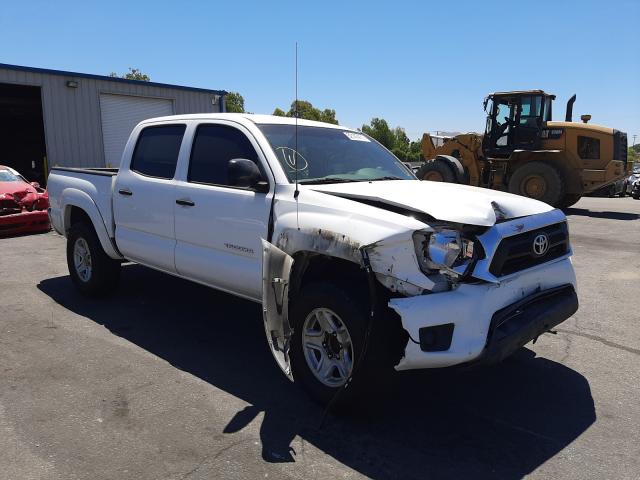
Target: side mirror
{"points": [[35, 184], [245, 173]]}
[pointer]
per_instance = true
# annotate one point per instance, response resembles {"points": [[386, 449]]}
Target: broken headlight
{"points": [[445, 251]]}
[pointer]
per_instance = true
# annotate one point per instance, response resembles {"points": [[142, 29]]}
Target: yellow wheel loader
{"points": [[524, 152]]}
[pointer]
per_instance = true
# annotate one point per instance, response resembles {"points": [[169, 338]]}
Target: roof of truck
{"points": [[255, 118]]}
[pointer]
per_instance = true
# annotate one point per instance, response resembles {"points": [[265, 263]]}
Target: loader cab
{"points": [[514, 121]]}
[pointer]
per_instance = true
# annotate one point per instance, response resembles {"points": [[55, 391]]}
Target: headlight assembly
{"points": [[445, 251]]}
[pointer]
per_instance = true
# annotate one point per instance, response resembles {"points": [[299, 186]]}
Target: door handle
{"points": [[125, 191], [184, 202]]}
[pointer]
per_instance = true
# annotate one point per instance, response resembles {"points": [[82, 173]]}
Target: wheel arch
{"points": [[310, 267], [456, 166], [78, 206]]}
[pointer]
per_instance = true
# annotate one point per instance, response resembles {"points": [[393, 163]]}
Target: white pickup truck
{"points": [[359, 266]]}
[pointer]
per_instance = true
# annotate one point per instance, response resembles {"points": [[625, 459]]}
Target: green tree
{"points": [[133, 74], [307, 111], [234, 102], [395, 139], [379, 129], [328, 116], [633, 154]]}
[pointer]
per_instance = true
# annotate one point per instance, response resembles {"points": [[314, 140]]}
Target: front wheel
{"points": [[539, 180], [92, 271], [329, 335], [437, 170]]}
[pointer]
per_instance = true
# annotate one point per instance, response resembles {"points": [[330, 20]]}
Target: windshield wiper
{"points": [[320, 181], [386, 178]]}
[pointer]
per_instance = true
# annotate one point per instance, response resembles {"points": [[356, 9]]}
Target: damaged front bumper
{"points": [[24, 222], [485, 321]]}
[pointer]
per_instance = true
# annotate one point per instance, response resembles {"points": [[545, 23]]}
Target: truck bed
{"points": [[96, 183], [91, 171]]}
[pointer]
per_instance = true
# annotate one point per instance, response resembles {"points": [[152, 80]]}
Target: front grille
{"points": [[620, 146], [516, 253]]}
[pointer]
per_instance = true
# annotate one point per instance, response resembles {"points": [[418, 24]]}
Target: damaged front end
{"points": [[436, 278], [24, 211]]}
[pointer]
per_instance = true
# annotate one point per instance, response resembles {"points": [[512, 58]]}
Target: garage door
{"points": [[120, 113]]}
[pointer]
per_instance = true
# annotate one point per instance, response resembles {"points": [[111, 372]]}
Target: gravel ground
{"points": [[169, 379]]}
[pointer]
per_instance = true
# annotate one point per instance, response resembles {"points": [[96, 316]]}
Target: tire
{"points": [[437, 170], [352, 312], [636, 197], [539, 180], [570, 199], [102, 275]]}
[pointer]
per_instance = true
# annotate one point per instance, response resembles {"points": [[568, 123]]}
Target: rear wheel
{"points": [[437, 170], [540, 181], [92, 271]]}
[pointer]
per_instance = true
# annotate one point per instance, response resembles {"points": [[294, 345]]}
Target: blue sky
{"points": [[422, 65]]}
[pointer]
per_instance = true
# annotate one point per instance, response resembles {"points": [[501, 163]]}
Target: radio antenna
{"points": [[295, 153]]}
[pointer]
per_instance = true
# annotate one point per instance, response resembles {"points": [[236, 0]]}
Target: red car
{"points": [[23, 205]]}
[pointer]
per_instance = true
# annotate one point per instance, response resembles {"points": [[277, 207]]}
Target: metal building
{"points": [[52, 117]]}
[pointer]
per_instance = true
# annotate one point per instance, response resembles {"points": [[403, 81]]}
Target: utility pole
{"points": [[634, 140]]}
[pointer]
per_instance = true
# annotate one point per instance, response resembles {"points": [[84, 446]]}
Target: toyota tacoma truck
{"points": [[359, 266]]}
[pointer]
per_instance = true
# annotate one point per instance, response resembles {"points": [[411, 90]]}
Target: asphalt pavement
{"points": [[171, 380]]}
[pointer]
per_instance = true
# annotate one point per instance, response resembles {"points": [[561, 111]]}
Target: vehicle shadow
{"points": [[583, 212], [498, 422]]}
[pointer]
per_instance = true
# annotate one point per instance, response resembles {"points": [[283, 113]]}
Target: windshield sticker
{"points": [[289, 156], [358, 137]]}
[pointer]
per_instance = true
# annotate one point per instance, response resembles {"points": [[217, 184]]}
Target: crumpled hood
{"points": [[443, 201]]}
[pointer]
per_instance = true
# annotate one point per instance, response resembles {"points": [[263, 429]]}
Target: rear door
{"points": [[144, 197], [219, 226]]}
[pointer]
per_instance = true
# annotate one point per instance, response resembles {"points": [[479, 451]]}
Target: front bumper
{"points": [[478, 311], [519, 323], [25, 222]]}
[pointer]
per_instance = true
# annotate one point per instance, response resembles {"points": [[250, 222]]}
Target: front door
{"points": [[219, 226], [143, 198]]}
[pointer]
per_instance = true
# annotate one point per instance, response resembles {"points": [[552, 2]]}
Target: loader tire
{"points": [[92, 271], [437, 170], [540, 181]]}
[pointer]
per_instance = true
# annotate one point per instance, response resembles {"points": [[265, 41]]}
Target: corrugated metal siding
{"points": [[120, 113], [72, 120]]}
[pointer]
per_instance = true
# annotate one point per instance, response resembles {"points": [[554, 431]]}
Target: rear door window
{"points": [[156, 153]]}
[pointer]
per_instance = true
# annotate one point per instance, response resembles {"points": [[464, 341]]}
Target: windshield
{"points": [[7, 176], [329, 155]]}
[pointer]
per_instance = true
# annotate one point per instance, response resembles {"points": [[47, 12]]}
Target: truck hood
{"points": [[442, 201]]}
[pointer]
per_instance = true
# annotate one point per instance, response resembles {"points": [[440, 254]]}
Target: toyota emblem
{"points": [[540, 244]]}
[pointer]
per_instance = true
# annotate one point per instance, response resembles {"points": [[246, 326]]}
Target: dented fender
{"points": [[393, 259], [394, 262], [319, 240]]}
